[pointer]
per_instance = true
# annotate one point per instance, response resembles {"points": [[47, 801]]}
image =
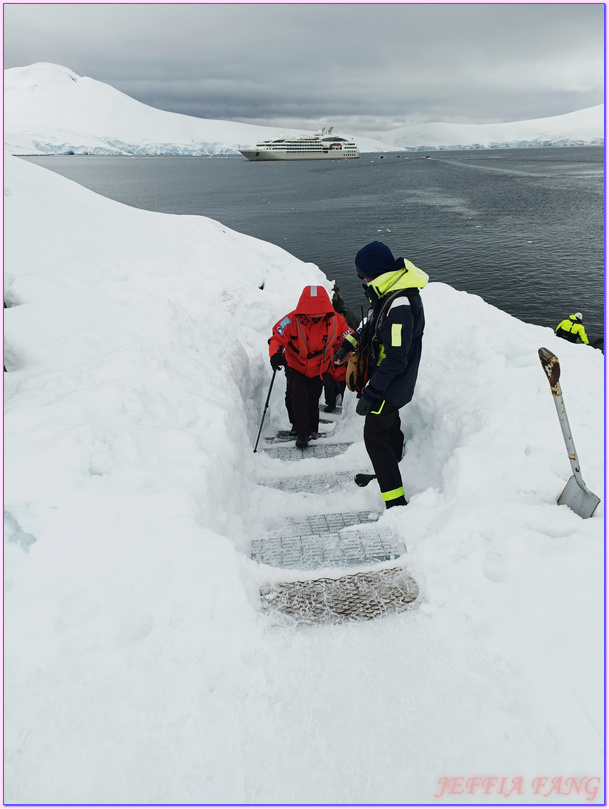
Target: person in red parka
{"points": [[305, 341]]}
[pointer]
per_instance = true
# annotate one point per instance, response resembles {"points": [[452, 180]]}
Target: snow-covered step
{"points": [[316, 484], [327, 540], [354, 597], [314, 450]]}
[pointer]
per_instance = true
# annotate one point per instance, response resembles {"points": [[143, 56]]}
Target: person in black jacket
{"points": [[391, 341]]}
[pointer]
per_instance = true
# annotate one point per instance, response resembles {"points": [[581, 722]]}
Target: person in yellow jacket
{"points": [[572, 328]]}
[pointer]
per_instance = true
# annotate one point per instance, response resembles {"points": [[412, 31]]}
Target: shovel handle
{"points": [[551, 366], [576, 494]]}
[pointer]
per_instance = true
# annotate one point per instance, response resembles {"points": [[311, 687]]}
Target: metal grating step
{"points": [[316, 484], [284, 436], [332, 540], [308, 552], [318, 524], [354, 597], [314, 450]]}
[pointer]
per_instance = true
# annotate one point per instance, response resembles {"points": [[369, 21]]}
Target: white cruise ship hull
{"points": [[263, 154], [322, 146]]}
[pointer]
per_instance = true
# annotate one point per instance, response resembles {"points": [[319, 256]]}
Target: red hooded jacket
{"points": [[309, 346]]}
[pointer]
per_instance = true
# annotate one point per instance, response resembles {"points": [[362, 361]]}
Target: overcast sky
{"points": [[364, 68]]}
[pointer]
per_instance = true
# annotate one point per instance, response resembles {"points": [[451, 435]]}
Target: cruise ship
{"points": [[321, 146]]}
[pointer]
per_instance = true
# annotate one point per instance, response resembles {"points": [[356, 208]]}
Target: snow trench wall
{"points": [[137, 350]]}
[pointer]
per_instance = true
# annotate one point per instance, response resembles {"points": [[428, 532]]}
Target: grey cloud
{"points": [[382, 63]]}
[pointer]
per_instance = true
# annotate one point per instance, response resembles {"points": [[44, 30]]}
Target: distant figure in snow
{"points": [[572, 329], [304, 341], [339, 306], [390, 340]]}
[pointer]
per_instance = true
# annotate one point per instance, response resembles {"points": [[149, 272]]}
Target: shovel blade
{"points": [[579, 499]]}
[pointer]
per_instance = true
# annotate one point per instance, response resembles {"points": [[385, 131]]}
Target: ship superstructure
{"points": [[324, 145]]}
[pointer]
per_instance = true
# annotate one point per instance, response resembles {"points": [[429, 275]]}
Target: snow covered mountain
{"points": [[49, 109], [581, 128]]}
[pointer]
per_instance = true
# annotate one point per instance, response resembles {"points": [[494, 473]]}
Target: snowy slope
{"points": [[139, 667], [573, 129], [49, 109]]}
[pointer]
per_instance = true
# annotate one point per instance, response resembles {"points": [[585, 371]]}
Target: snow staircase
{"points": [[327, 541]]}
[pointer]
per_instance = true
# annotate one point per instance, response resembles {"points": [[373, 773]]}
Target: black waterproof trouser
{"points": [[333, 389], [567, 335], [384, 442], [302, 401]]}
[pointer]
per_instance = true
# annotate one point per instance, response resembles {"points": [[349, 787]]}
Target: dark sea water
{"points": [[522, 228]]}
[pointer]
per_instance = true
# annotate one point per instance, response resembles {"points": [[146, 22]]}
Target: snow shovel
{"points": [[576, 494]]}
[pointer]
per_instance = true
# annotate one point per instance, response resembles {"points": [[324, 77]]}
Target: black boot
{"points": [[399, 501], [362, 479], [302, 441]]}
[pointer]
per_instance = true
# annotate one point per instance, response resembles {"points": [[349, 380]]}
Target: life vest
{"points": [[309, 346]]}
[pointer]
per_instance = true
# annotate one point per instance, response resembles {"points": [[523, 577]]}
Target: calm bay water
{"points": [[522, 228]]}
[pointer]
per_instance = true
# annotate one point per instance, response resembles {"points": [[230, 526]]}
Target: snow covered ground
{"points": [[579, 128], [139, 667], [49, 109]]}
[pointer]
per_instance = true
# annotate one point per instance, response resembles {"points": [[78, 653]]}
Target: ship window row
{"points": [[306, 142], [309, 150]]}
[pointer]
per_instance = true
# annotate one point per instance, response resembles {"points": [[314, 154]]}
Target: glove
{"points": [[363, 407], [341, 355], [368, 400], [277, 361]]}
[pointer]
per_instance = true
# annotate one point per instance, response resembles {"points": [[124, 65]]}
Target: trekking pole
{"points": [[265, 408], [576, 494]]}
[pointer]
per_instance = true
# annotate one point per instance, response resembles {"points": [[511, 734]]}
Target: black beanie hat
{"points": [[374, 259]]}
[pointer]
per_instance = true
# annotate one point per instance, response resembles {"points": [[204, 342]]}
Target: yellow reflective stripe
{"points": [[396, 334], [393, 494], [351, 339], [377, 412]]}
